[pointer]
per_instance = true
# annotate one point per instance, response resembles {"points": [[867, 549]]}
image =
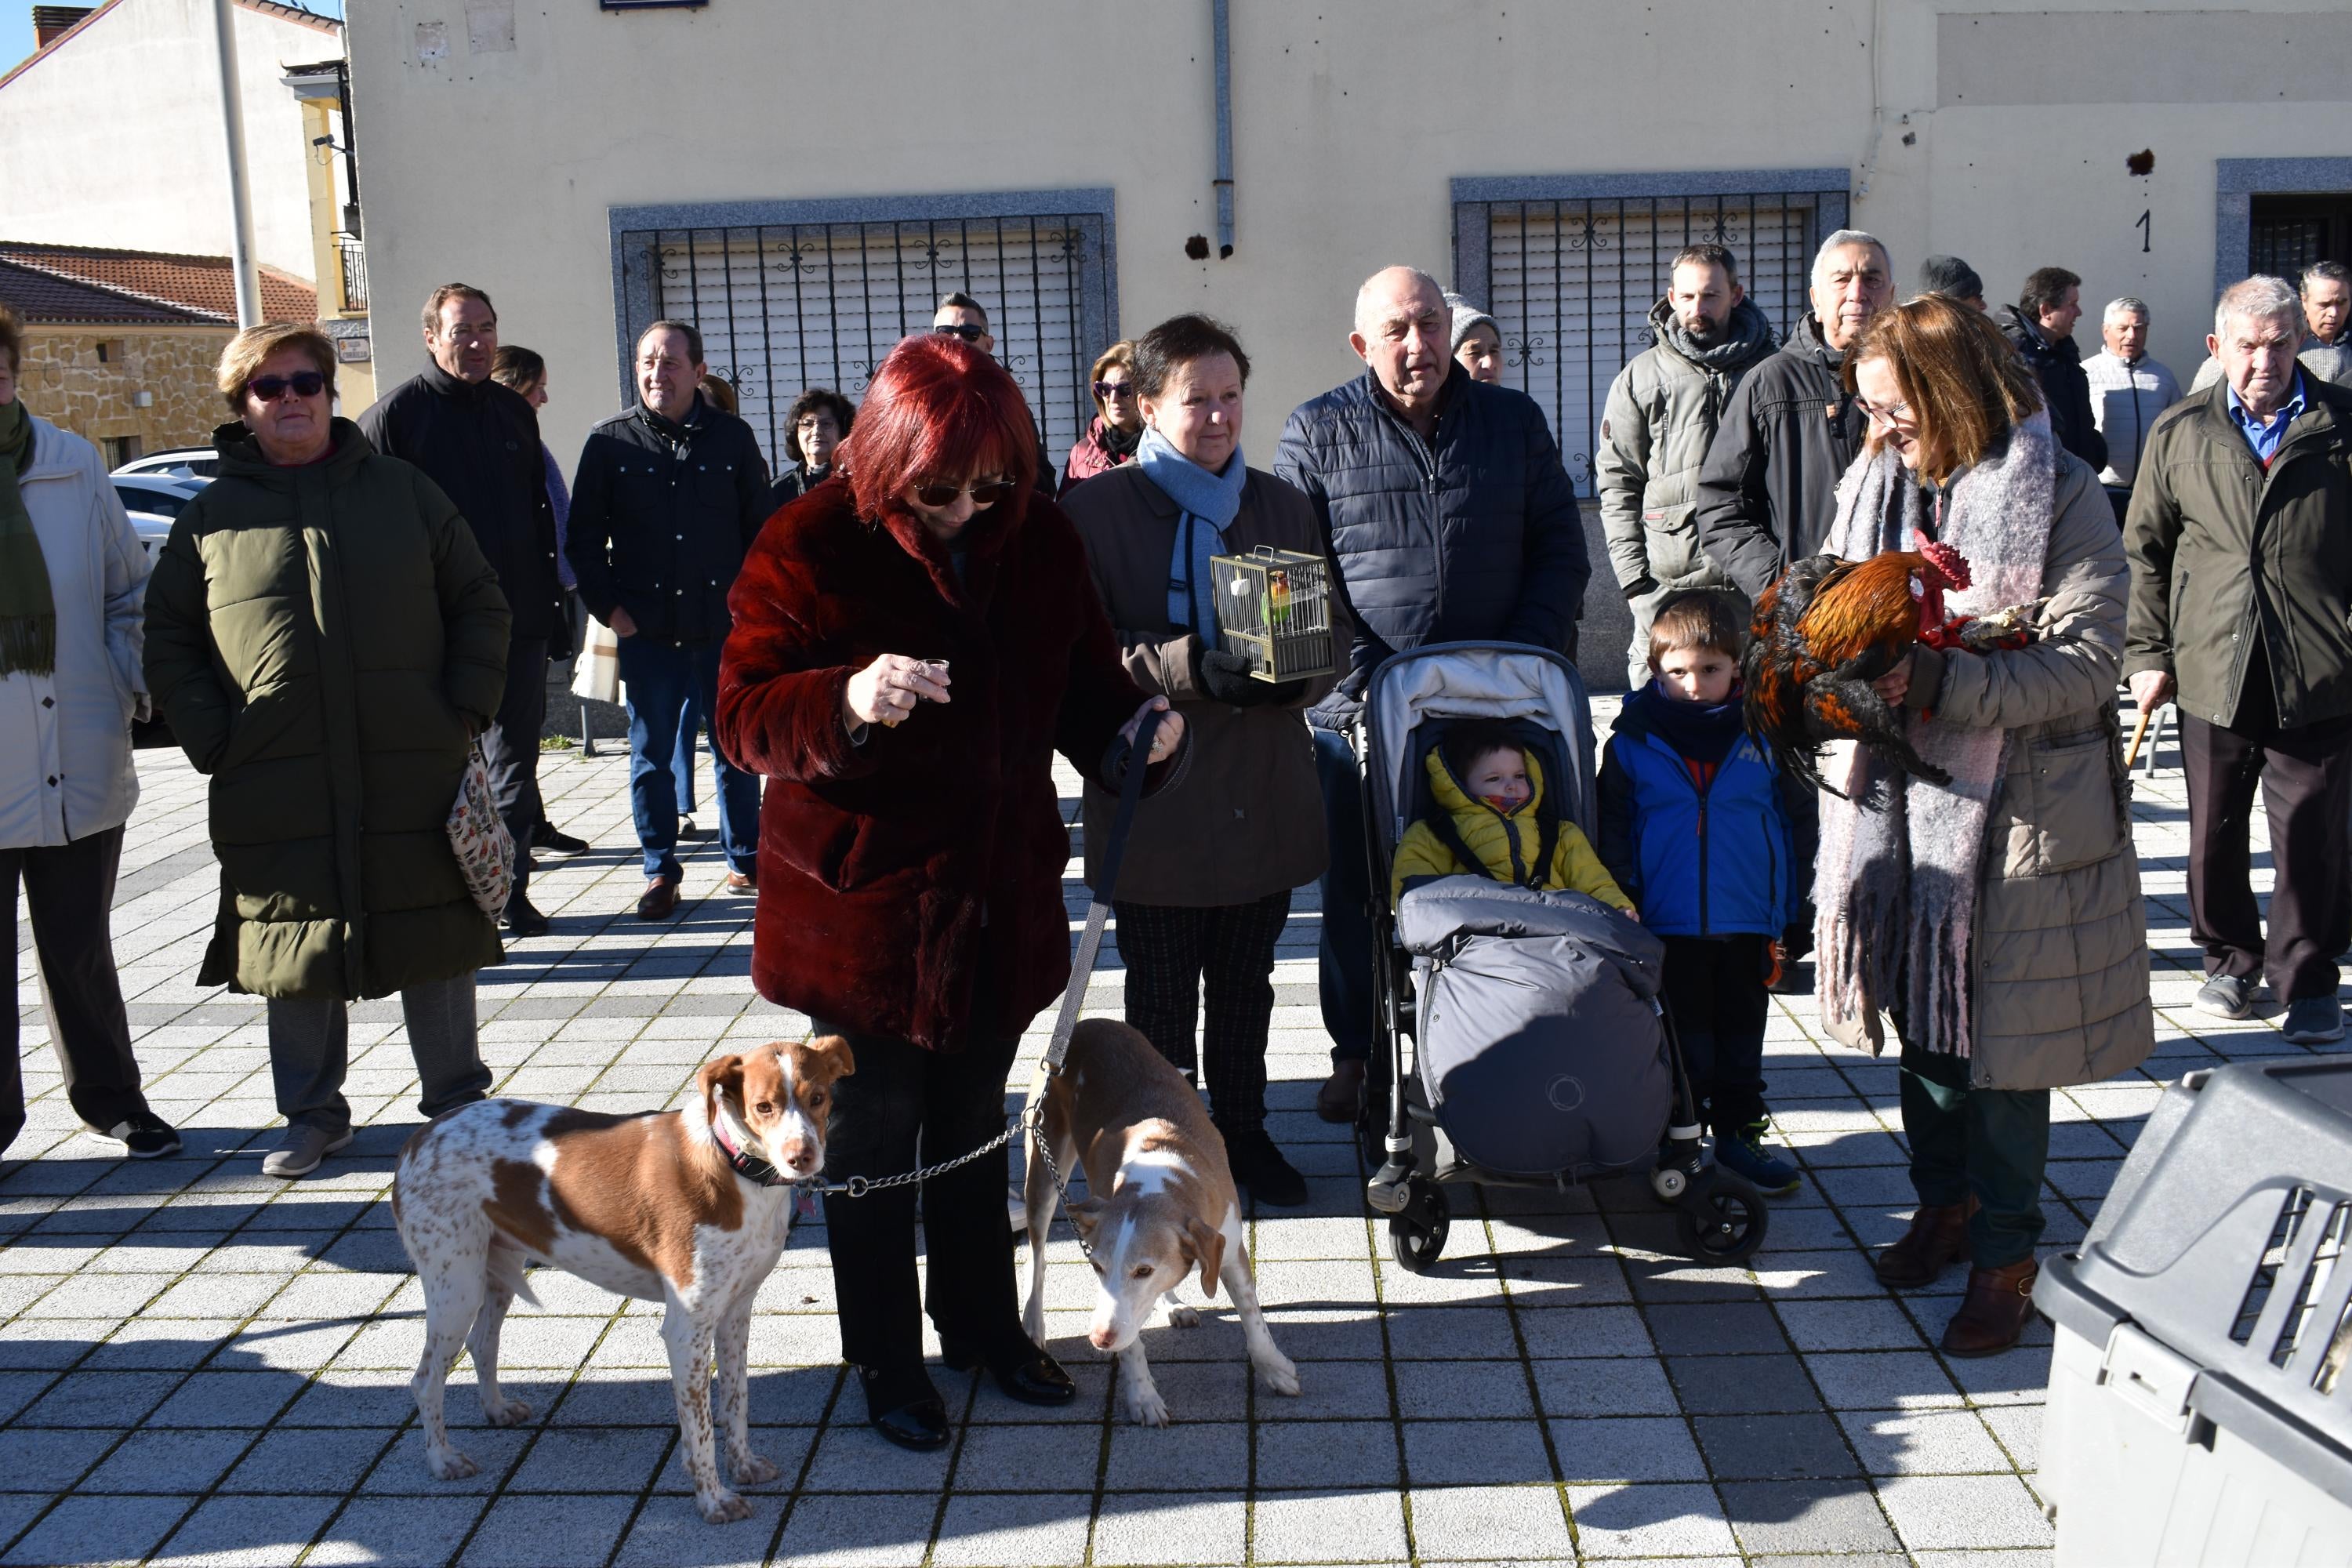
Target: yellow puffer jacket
{"points": [[1502, 843]]}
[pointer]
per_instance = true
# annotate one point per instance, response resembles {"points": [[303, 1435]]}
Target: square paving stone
{"points": [[1210, 1528], [1773, 1448], [1461, 1332], [1742, 1384], [167, 1461], [1629, 1385], [318, 1460], [1190, 1456], [1808, 1516], [1469, 1454], [93, 1398], [1667, 1520], [548, 1532], [1292, 1454], [669, 1533], [1344, 1389], [1583, 1331], [1048, 1531], [1457, 1388], [1856, 1325], [246, 1533], [853, 1458], [228, 1399], [1718, 1328], [1328, 1527], [1883, 1379], [1932, 1511], [1034, 1457], [622, 1461], [1598, 1451], [1497, 1523], [82, 1529], [48, 1461], [858, 1533], [1924, 1443]]}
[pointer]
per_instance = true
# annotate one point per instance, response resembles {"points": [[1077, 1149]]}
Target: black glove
{"points": [[1226, 678], [1644, 583]]}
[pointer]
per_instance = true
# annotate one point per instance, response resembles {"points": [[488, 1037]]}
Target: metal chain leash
{"points": [[858, 1186]]}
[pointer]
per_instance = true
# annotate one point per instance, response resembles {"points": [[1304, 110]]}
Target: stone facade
{"points": [[87, 379]]}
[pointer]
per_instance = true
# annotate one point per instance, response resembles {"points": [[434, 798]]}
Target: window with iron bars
{"points": [[790, 295], [1569, 268]]}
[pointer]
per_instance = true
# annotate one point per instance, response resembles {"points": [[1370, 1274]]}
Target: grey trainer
{"points": [[2226, 996], [300, 1151], [2314, 1021]]}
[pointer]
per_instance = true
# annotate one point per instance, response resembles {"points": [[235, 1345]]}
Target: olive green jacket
{"points": [[2224, 553], [324, 640]]}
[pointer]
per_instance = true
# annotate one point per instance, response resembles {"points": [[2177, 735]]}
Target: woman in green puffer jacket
{"points": [[325, 637]]}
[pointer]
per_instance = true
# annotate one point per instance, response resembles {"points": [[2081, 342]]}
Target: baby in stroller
{"points": [[1489, 814]]}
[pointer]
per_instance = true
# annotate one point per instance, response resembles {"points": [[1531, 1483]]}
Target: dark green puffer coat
{"points": [[322, 641]]}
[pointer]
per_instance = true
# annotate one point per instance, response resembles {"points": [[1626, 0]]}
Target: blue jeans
{"points": [[689, 740], [660, 676], [1344, 955]]}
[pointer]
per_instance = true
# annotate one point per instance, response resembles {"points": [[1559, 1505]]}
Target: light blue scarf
{"points": [[1202, 499]]}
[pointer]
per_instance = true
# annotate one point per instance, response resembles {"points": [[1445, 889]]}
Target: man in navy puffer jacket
{"points": [[1449, 518]]}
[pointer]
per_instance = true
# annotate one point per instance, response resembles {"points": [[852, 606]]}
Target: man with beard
{"points": [[2041, 328], [1655, 432], [1767, 490]]}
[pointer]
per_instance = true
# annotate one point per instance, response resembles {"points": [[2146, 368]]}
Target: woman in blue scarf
{"points": [[1205, 890]]}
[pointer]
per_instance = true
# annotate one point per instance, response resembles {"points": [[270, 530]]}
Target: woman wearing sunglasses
{"points": [[1118, 428], [911, 649], [326, 638]]}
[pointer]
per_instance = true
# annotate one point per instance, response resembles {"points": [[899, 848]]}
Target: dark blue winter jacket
{"points": [[1473, 534], [1711, 862]]}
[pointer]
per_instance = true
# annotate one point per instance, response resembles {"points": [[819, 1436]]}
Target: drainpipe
{"points": [[1224, 180], [240, 194]]}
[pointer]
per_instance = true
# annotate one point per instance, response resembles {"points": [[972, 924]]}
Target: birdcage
{"points": [[1273, 608]]}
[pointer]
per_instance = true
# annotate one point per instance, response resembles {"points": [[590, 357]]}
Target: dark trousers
{"points": [[2306, 776], [660, 676], [1992, 1143], [904, 1106], [690, 741], [1344, 952], [1715, 992], [1172, 956], [70, 890], [511, 747]]}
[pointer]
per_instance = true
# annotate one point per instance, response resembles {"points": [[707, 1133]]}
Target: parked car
{"points": [[179, 462], [154, 501]]}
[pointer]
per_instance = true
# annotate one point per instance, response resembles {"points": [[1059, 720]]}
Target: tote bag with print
{"points": [[484, 849]]}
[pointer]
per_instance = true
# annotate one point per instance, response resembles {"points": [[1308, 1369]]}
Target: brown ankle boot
{"points": [[1939, 1234], [1994, 1313]]}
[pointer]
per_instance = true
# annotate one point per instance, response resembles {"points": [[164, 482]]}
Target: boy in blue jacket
{"points": [[1693, 826]]}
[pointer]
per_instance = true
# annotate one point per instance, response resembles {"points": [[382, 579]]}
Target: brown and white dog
{"points": [[687, 1207], [1161, 1201]]}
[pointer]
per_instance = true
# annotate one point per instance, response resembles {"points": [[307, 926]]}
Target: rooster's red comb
{"points": [[1949, 562]]}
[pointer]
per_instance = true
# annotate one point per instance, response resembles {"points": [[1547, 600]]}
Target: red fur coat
{"points": [[893, 873]]}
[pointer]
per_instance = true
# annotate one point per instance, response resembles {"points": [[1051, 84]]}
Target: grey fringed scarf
{"points": [[1895, 885]]}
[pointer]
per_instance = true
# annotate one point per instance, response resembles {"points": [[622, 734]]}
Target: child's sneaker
{"points": [[1744, 1153]]}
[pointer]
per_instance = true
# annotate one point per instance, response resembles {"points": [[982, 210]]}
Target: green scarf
{"points": [[28, 612]]}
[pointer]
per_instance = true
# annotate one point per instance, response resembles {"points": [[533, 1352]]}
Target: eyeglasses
{"points": [[1107, 390], [1887, 415], [968, 333], [303, 384], [984, 493]]}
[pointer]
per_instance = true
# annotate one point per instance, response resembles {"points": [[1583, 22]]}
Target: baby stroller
{"points": [[1541, 1052]]}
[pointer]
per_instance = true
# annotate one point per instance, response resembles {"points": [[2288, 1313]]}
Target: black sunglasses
{"points": [[1107, 390], [968, 334], [303, 382], [940, 494]]}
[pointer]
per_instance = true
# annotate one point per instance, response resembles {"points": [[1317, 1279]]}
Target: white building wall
{"points": [[115, 139]]}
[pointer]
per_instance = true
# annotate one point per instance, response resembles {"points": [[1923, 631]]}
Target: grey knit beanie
{"points": [[1466, 316]]}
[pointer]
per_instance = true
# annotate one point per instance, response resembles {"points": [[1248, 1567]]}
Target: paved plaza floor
{"points": [[199, 1365]]}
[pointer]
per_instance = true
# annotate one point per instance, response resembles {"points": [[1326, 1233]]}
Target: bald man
{"points": [[1451, 518]]}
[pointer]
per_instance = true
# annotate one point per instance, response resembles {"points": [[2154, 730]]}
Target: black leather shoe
{"points": [[1023, 1371], [905, 1408], [523, 920], [545, 836], [1258, 1166]]}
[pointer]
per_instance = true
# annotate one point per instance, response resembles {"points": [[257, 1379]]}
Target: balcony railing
{"points": [[353, 257]]}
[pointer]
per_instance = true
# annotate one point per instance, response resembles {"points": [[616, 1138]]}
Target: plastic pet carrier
{"points": [[1274, 608], [2201, 1399]]}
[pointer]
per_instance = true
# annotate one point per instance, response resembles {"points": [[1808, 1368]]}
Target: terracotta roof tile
{"points": [[201, 284], [39, 296]]}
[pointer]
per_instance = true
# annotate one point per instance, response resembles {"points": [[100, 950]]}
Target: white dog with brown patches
{"points": [[687, 1207], [1161, 1202]]}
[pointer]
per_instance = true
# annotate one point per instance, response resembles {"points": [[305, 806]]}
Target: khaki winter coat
{"points": [[2059, 957], [322, 639], [2223, 554], [1248, 821]]}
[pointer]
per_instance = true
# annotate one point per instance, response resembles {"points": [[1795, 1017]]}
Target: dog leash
{"points": [[1130, 796]]}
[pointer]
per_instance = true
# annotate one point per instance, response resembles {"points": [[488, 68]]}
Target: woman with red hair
{"points": [[910, 649]]}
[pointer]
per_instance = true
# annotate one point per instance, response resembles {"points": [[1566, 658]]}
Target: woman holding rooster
{"points": [[1997, 917]]}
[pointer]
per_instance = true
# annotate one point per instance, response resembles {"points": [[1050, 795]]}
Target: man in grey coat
{"points": [[1662, 412]]}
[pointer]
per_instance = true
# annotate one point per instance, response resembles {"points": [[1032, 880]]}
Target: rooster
{"points": [[1830, 628]]}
